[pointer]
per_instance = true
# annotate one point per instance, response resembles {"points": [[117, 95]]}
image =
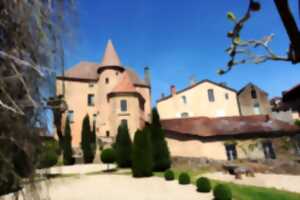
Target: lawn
{"points": [[242, 192]]}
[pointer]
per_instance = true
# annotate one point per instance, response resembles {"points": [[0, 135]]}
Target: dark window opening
{"points": [[107, 133], [226, 96], [106, 80], [91, 85], [268, 150], [211, 96], [184, 100], [71, 116], [91, 100], [123, 105], [117, 73], [231, 151], [253, 93]]}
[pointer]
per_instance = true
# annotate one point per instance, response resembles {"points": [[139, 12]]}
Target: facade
{"points": [[205, 98], [229, 138], [108, 92], [253, 101]]}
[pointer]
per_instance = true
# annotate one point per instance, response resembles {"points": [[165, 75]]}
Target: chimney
{"points": [[147, 75], [173, 90]]}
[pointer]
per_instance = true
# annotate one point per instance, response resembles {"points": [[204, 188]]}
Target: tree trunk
{"points": [[291, 28]]}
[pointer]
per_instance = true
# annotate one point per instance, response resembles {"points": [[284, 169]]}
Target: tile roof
{"points": [[228, 126], [251, 85], [83, 70], [110, 57], [125, 85]]}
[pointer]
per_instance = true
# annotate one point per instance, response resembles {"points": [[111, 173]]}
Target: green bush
{"points": [[108, 156], [222, 192], [169, 175], [67, 145], [297, 122], [184, 178], [86, 140], [161, 154], [203, 184], [48, 155], [123, 147], [142, 160]]}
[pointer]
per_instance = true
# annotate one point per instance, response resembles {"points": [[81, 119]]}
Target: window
{"points": [[107, 80], [211, 96], [94, 118], [123, 105], [71, 116], [91, 100], [268, 150], [231, 151], [117, 73], [184, 114], [124, 122], [107, 133], [253, 93], [184, 100], [226, 96], [256, 109]]}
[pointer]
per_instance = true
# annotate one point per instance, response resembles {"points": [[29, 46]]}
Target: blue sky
{"points": [[180, 39]]}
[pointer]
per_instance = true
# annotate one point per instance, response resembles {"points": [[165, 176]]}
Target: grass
{"points": [[243, 192]]}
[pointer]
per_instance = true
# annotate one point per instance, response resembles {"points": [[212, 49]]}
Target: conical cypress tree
{"points": [[123, 147], [86, 140], [142, 160], [161, 154], [93, 140], [67, 146]]}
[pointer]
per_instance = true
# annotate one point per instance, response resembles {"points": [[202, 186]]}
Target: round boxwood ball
{"points": [[203, 184], [108, 156], [222, 192], [169, 175], [184, 178]]}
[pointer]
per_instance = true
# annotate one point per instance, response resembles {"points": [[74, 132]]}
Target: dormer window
{"points": [[253, 93], [211, 96]]}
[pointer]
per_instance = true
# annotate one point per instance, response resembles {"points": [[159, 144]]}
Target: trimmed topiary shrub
{"points": [[203, 184], [169, 175], [86, 140], [297, 122], [184, 178], [123, 147], [142, 160], [161, 154], [222, 192], [108, 156], [67, 147], [48, 155]]}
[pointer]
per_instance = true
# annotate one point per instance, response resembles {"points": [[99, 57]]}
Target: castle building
{"points": [[108, 92]]}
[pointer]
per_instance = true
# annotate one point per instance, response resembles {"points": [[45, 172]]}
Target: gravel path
{"points": [[282, 182]]}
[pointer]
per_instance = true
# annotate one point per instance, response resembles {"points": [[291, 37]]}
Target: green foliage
{"points": [[86, 136], [161, 154], [297, 122], [108, 156], [222, 192], [49, 153], [184, 178], [169, 175], [231, 16], [142, 159], [67, 147], [123, 147], [203, 184], [93, 140]]}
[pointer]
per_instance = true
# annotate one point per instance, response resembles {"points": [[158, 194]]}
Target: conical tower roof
{"points": [[110, 57]]}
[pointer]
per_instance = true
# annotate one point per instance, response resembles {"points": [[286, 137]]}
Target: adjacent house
{"points": [[205, 98], [108, 92], [253, 101]]}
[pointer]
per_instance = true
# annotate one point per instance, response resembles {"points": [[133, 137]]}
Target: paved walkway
{"points": [[117, 187], [281, 182]]}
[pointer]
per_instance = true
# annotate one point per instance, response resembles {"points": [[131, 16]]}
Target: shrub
{"points": [[184, 178], [142, 160], [203, 184], [86, 140], [67, 147], [297, 122], [48, 155], [108, 156], [161, 154], [222, 192], [123, 147], [169, 175]]}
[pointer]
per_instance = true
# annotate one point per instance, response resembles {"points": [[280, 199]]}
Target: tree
{"points": [[86, 135], [243, 51], [108, 156], [161, 154], [123, 147], [67, 151], [142, 159], [93, 140]]}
